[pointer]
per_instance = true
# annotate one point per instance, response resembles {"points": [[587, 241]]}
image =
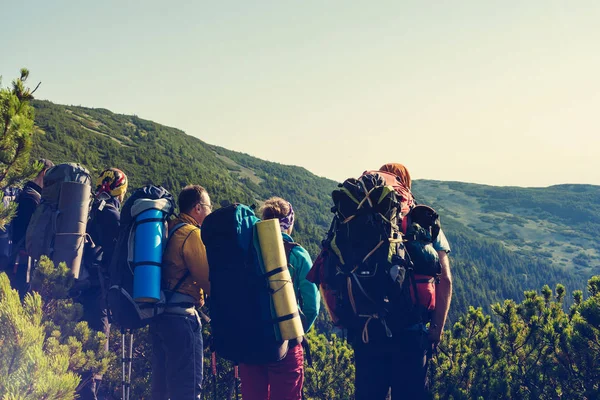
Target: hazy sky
{"points": [[496, 92]]}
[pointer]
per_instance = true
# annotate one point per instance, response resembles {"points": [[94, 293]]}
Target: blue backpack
{"points": [[124, 311], [243, 328]]}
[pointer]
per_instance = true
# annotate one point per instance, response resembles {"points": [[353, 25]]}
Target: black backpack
{"points": [[93, 251], [421, 227], [242, 324], [368, 274]]}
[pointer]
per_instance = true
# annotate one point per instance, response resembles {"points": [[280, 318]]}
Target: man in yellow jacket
{"points": [[177, 333]]}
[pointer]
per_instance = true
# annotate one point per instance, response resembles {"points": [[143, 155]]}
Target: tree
{"points": [[331, 375], [62, 321], [44, 347], [16, 131], [32, 364], [535, 350]]}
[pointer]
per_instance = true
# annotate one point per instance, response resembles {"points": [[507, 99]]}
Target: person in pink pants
{"points": [[283, 380]]}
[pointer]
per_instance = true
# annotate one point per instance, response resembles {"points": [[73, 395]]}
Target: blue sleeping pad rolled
{"points": [[147, 255]]}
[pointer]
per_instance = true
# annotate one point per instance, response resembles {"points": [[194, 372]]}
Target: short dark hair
{"points": [[189, 197], [47, 164]]}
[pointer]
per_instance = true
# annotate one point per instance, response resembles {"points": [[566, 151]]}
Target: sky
{"points": [[493, 92]]}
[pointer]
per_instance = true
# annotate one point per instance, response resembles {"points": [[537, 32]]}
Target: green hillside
{"points": [[505, 240], [151, 153], [509, 239], [560, 223]]}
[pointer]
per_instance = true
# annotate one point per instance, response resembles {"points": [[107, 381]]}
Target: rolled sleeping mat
{"points": [[280, 281], [71, 222], [147, 255]]}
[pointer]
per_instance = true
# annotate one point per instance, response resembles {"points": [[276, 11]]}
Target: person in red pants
{"points": [[279, 380], [283, 380]]}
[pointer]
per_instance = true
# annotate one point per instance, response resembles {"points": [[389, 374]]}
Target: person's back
{"points": [[27, 202], [177, 347], [103, 224], [284, 379], [178, 256], [103, 228], [399, 359], [6, 245], [307, 293]]}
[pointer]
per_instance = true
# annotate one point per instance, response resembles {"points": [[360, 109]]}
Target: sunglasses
{"points": [[209, 206]]}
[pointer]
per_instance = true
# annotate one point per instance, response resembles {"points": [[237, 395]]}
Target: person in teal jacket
{"points": [[307, 292], [283, 380]]}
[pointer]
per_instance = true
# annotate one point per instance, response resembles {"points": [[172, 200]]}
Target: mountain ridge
{"points": [[494, 255]]}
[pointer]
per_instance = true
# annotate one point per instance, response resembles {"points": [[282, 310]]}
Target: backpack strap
{"points": [[173, 230], [187, 272], [177, 285], [98, 205], [32, 192], [289, 247], [169, 293]]}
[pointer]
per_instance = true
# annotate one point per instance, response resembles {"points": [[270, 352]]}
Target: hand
{"points": [[435, 334]]}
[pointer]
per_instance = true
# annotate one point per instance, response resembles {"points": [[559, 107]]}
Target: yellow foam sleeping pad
{"points": [[280, 281]]}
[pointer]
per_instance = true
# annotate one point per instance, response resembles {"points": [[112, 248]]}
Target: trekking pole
{"points": [[123, 382], [213, 361], [130, 363], [235, 380]]}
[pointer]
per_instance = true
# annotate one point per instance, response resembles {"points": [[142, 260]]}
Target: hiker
{"points": [[283, 380], [401, 361], [27, 202], [10, 195], [103, 229], [177, 333]]}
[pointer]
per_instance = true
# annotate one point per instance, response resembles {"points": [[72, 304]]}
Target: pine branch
{"points": [[34, 90], [20, 146]]}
